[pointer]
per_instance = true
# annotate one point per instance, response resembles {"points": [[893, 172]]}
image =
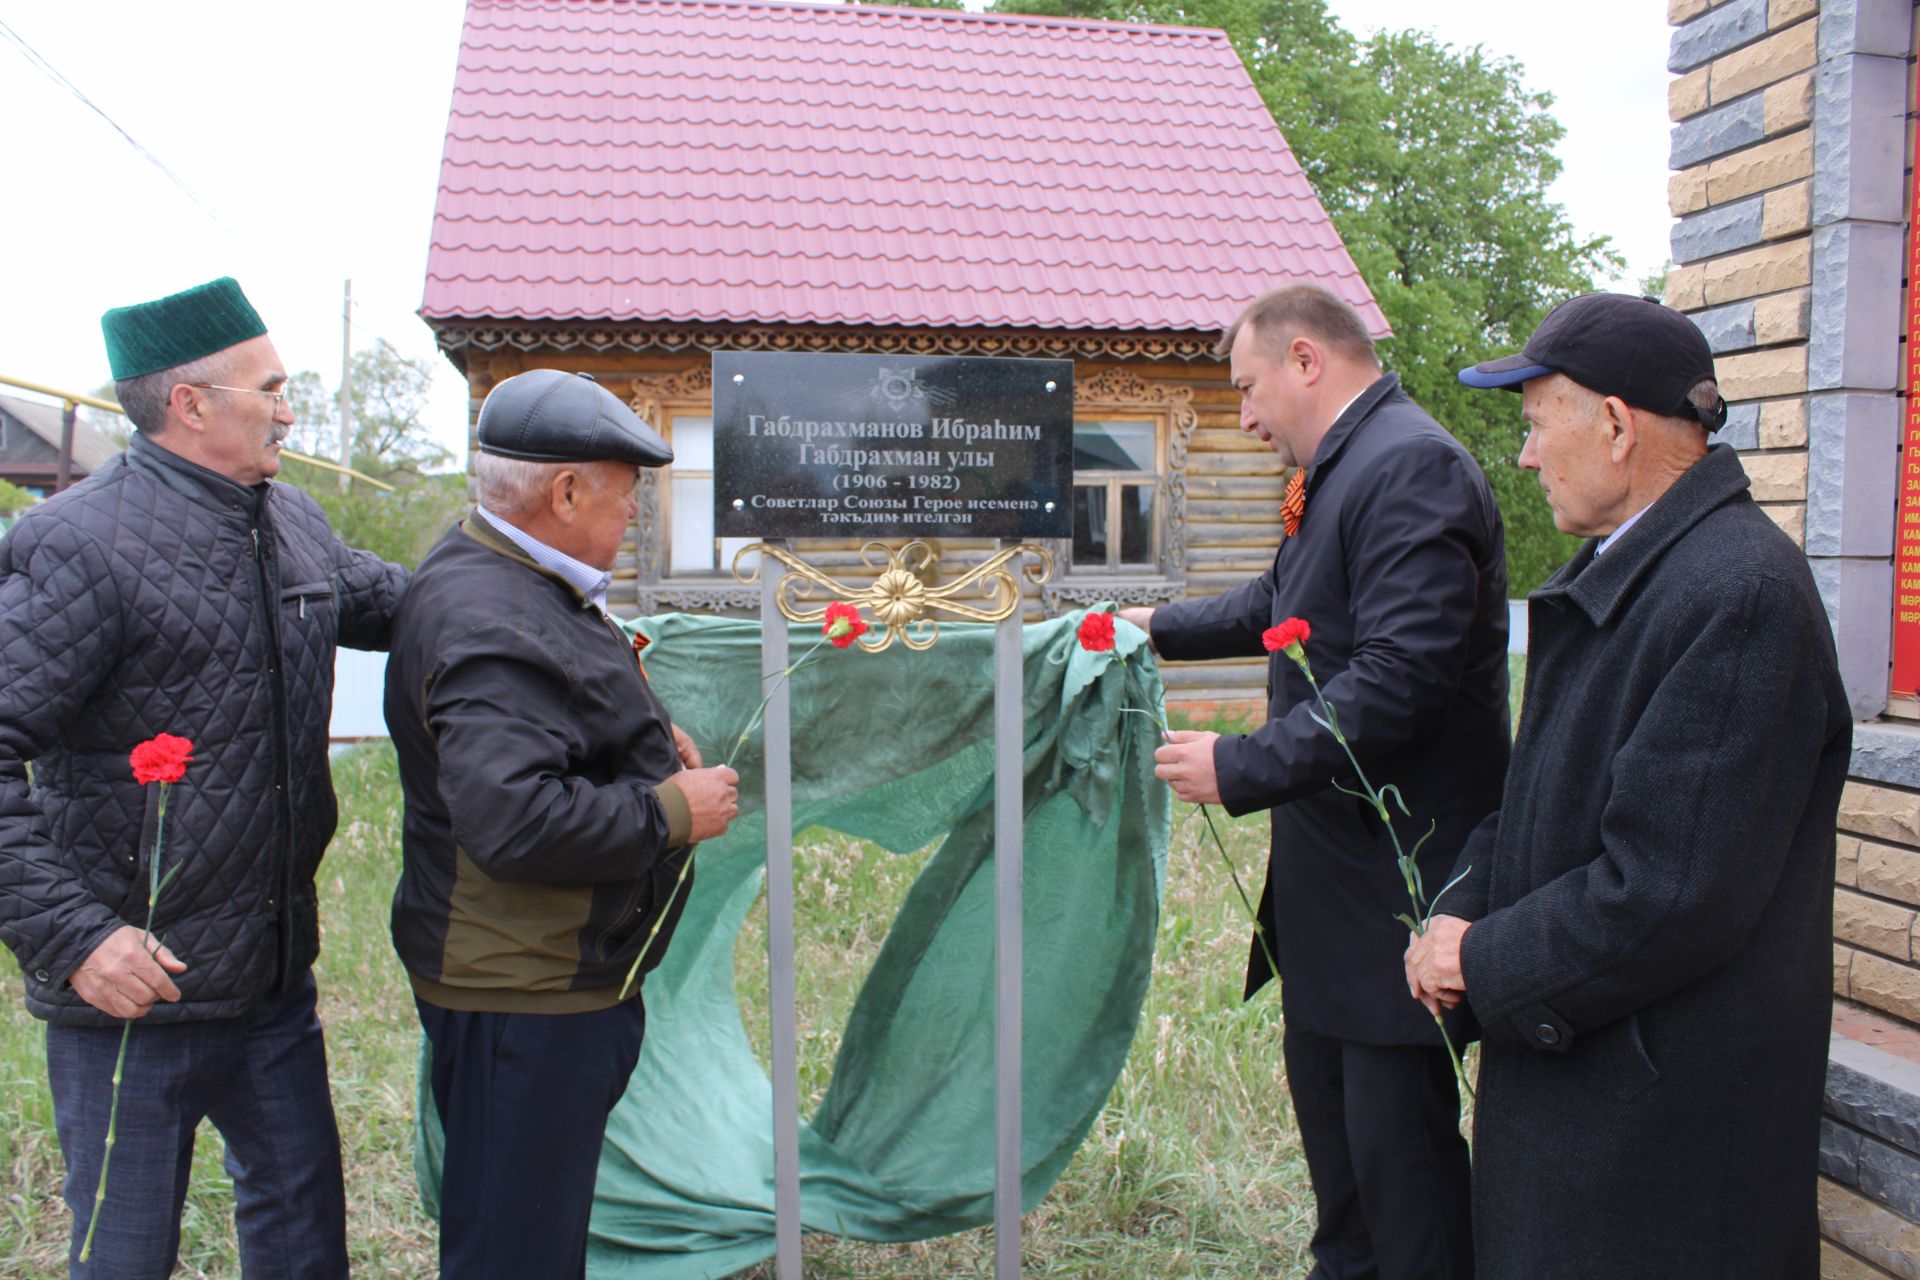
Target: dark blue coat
{"points": [[1651, 958], [1399, 567]]}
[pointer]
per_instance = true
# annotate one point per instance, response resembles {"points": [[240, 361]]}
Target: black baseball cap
{"points": [[1618, 345], [546, 415]]}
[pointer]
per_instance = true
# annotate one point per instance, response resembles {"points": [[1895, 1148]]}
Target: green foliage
{"points": [[1654, 284], [1433, 163], [14, 499], [391, 443]]}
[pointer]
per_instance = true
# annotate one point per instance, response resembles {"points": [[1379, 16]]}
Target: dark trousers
{"points": [[524, 1099], [262, 1080], [1380, 1125]]}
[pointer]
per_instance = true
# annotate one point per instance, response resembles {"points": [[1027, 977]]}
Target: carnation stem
{"points": [[1253, 916], [686, 868], [1259, 926], [1409, 868], [126, 1032]]}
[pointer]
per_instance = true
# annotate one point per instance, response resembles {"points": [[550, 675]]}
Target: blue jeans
{"points": [[262, 1079]]}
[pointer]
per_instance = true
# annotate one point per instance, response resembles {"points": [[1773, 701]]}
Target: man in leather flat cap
{"points": [[1645, 927], [550, 807], [180, 590]]}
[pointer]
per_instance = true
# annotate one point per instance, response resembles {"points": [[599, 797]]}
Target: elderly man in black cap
{"points": [[179, 590], [1644, 929], [551, 805]]}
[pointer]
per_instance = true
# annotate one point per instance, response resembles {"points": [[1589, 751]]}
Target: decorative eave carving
{"points": [[459, 338]]}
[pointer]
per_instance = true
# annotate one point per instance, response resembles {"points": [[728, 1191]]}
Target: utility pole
{"points": [[64, 476], [346, 384]]}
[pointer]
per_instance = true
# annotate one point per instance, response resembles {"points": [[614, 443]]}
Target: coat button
{"points": [[1546, 1033], [42, 975]]}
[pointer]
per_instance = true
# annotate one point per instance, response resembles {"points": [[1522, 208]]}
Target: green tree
{"points": [[391, 443], [1654, 283], [1433, 163], [14, 499]]}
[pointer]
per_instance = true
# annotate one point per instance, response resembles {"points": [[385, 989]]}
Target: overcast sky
{"points": [[309, 137]]}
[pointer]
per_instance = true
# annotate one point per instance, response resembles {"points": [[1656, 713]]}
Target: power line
{"points": [[53, 73]]}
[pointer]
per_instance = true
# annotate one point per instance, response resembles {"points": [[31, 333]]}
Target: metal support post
{"points": [[1009, 700], [781, 995]]}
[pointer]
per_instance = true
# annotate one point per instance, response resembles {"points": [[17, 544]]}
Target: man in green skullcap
{"points": [[180, 590]]}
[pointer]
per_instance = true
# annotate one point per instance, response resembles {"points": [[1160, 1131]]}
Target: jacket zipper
{"points": [[632, 905], [283, 766]]}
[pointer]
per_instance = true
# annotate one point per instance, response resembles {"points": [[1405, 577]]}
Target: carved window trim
{"points": [[656, 398], [1121, 393]]}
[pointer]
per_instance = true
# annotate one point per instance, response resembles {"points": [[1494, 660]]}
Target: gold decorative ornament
{"points": [[899, 596]]}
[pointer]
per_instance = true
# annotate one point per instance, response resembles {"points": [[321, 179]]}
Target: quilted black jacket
{"points": [[160, 597]]}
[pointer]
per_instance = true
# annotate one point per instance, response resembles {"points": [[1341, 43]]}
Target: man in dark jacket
{"points": [[1395, 557], [1646, 931], [552, 807], [179, 590]]}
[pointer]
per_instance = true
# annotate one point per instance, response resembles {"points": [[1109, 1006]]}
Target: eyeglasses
{"points": [[281, 398]]}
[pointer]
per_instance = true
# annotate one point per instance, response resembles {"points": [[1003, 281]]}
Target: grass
{"points": [[372, 1039], [1193, 1169]]}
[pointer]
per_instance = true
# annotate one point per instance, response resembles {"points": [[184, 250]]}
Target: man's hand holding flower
{"points": [[1433, 964], [1186, 765]]}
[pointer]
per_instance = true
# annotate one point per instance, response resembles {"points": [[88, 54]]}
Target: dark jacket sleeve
{"points": [[61, 631], [1228, 625], [1699, 818], [499, 708], [370, 593], [1413, 530], [1466, 886]]}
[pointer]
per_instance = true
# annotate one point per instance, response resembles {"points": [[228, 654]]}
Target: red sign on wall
{"points": [[1906, 534]]}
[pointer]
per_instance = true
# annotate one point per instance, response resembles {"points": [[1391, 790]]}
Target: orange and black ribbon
{"points": [[1294, 505]]}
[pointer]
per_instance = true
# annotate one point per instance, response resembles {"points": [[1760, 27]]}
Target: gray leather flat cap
{"points": [[545, 415]]}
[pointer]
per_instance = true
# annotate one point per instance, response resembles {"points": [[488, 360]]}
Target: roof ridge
{"points": [[856, 11]]}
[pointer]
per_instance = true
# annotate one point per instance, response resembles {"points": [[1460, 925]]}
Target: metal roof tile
{"points": [[762, 162]]}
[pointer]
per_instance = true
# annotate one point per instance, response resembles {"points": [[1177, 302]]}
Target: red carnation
{"points": [[843, 625], [1293, 631], [1096, 632], [161, 758]]}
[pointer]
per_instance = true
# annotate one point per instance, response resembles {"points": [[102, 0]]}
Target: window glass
{"points": [[692, 443], [692, 542], [1090, 526], [1136, 524], [1113, 446]]}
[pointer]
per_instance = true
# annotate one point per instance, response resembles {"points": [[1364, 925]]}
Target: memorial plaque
{"points": [[872, 446]]}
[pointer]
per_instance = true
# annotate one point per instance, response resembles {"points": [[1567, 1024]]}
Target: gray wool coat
{"points": [[1650, 958]]}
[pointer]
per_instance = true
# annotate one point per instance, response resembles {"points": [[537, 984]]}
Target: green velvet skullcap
{"points": [[171, 331]]}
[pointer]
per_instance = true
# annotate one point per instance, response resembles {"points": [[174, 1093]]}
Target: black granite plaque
{"points": [[871, 446]]}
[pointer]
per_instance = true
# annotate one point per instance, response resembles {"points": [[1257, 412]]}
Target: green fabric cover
{"points": [[895, 748], [167, 332]]}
